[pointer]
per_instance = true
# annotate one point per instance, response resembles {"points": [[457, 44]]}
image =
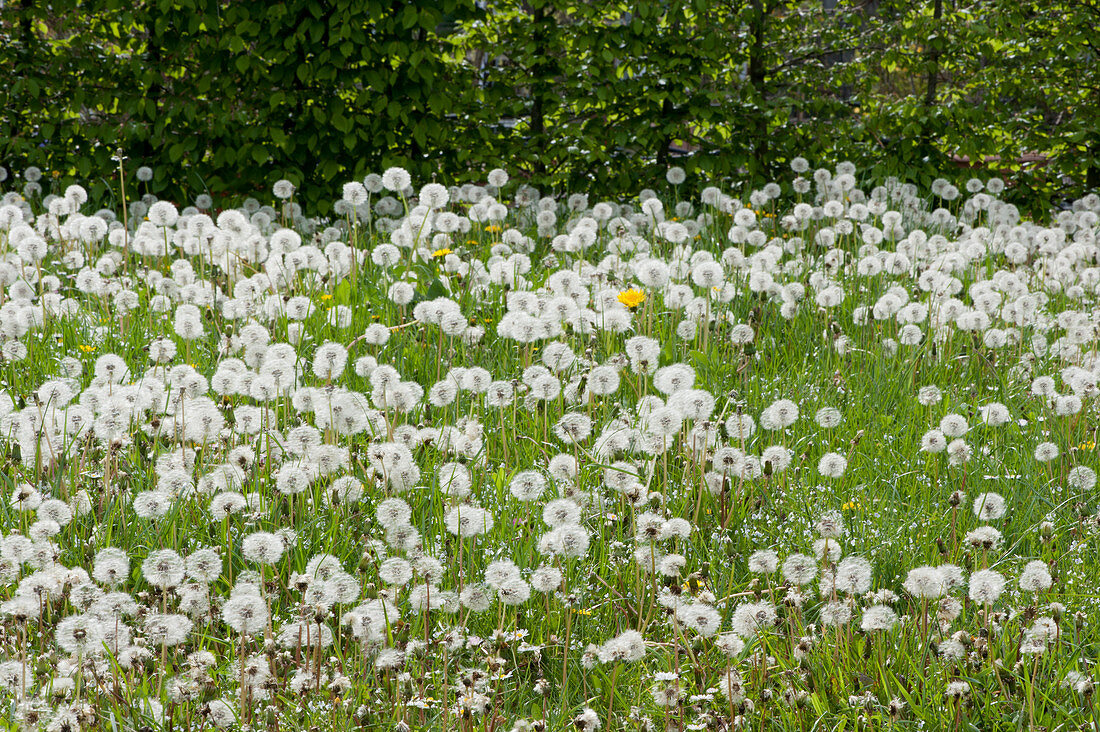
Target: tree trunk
{"points": [[666, 139], [26, 57], [932, 80], [1092, 173], [147, 154], [541, 71], [757, 78]]}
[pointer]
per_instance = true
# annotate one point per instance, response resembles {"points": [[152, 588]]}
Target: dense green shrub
{"points": [[214, 94]]}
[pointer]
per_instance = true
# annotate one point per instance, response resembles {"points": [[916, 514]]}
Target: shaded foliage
{"points": [[214, 95]]}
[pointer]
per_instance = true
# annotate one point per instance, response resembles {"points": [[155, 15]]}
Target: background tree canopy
{"points": [[216, 95]]}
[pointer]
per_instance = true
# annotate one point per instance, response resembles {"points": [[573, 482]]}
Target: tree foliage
{"points": [[214, 95]]}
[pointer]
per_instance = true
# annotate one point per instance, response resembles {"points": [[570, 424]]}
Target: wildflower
{"points": [[1078, 682], [674, 377], [878, 618], [477, 597], [750, 618], [392, 511], [1036, 638], [111, 567], [929, 395], [995, 414], [500, 572], [188, 322], [835, 614], [514, 591], [546, 579], [587, 721], [1036, 577], [245, 612], [573, 428], [1046, 451], [561, 512], [395, 571], [163, 213], [832, 465], [329, 361], [799, 569], [827, 549], [731, 686], [631, 298], [952, 575], [468, 520], [925, 583], [957, 690], [603, 380], [983, 537], [666, 690], [989, 506], [163, 568], [79, 634], [700, 617], [730, 644], [853, 576], [263, 547], [167, 629], [283, 189], [434, 196], [830, 525], [628, 646], [396, 179], [933, 441], [1081, 478], [958, 452], [671, 565], [779, 415], [763, 562], [828, 417]]}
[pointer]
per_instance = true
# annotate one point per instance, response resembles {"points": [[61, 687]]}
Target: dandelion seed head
{"points": [[989, 506], [1036, 577]]}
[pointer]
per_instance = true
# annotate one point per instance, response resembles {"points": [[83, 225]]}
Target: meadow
{"points": [[818, 456]]}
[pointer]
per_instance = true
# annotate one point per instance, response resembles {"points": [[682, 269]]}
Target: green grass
{"points": [[893, 500]]}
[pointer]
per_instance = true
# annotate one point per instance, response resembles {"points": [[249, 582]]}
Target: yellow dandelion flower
{"points": [[326, 296], [441, 253], [632, 298], [86, 348], [492, 228]]}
